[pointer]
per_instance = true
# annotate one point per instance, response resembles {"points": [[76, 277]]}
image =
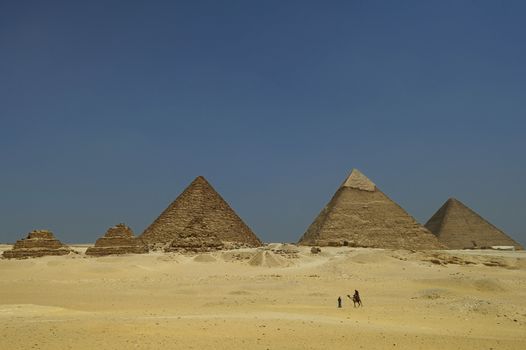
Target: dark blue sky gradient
{"points": [[108, 110]]}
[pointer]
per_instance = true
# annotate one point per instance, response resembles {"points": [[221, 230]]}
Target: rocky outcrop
{"points": [[119, 239], [199, 219], [459, 227], [37, 243], [315, 250], [360, 215]]}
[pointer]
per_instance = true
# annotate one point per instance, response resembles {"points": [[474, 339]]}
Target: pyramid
{"points": [[359, 214], [119, 239], [37, 243], [199, 216], [196, 237], [459, 227]]}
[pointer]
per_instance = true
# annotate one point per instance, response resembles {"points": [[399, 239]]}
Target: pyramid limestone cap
{"points": [[359, 181]]}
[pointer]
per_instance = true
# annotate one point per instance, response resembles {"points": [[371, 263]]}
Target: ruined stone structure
{"points": [[37, 243], [199, 219], [118, 239], [361, 215], [459, 227]]}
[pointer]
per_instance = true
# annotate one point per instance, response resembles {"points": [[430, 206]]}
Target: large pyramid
{"points": [[359, 214], [196, 237], [37, 243], [459, 227], [199, 216], [119, 239]]}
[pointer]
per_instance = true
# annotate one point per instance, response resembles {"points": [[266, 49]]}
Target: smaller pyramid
{"points": [[37, 243], [458, 227], [119, 239], [199, 219]]}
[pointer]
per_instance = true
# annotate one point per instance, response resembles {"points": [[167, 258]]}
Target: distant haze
{"points": [[108, 109]]}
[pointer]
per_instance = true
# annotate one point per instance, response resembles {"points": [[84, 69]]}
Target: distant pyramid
{"points": [[118, 239], [359, 214], [199, 216], [459, 227], [37, 243]]}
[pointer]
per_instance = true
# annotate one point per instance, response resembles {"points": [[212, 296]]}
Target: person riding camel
{"points": [[355, 298]]}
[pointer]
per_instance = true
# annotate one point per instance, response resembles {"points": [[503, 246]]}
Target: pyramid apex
{"points": [[359, 181], [453, 201], [200, 179]]}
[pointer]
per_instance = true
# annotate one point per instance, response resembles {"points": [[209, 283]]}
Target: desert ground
{"points": [[275, 297]]}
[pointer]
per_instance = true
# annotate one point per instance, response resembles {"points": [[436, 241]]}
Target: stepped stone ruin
{"points": [[360, 215], [37, 243], [119, 239], [459, 227], [199, 220]]}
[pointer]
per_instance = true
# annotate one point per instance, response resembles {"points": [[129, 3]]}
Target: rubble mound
{"points": [[267, 259], [234, 256], [441, 258], [37, 243], [285, 250], [315, 250], [205, 258], [119, 239]]}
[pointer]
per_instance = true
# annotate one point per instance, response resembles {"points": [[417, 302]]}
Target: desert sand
{"points": [[274, 297]]}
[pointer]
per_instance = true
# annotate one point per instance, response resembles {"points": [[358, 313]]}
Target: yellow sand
{"points": [[246, 300]]}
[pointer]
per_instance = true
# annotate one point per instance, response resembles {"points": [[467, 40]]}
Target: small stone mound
{"points": [[119, 239], [240, 292], [496, 262], [445, 259], [205, 258], [315, 250], [474, 305], [267, 259], [234, 256], [288, 251], [37, 243], [488, 285], [433, 293]]}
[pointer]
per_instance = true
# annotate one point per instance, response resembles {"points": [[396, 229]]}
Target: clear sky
{"points": [[109, 109]]}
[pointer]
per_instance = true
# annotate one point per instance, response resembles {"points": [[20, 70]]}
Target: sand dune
{"points": [[274, 297]]}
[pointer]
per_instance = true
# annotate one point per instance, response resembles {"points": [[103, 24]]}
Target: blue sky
{"points": [[109, 109]]}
